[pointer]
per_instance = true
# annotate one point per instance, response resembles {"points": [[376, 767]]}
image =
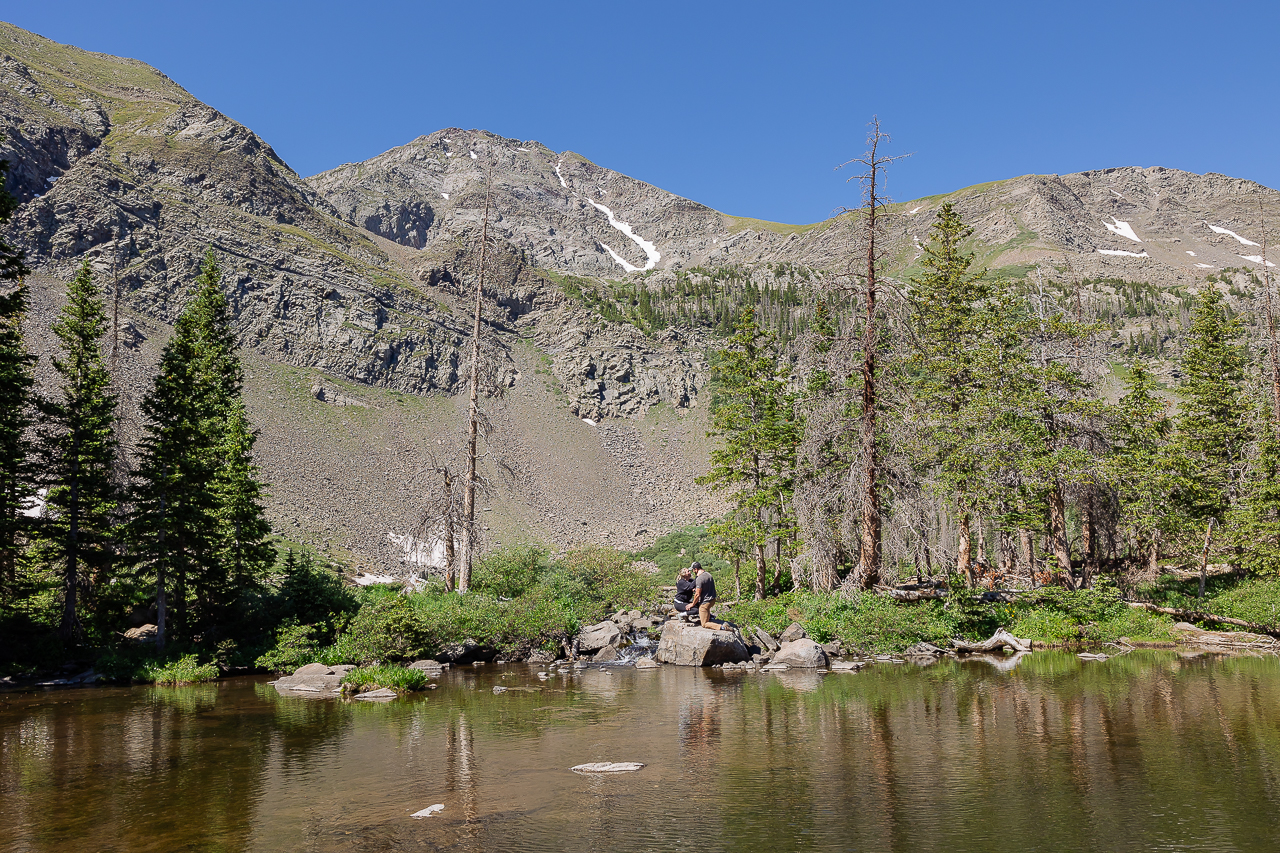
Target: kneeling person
{"points": [[704, 595]]}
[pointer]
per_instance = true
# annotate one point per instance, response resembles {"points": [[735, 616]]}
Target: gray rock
{"points": [[766, 642], [647, 663], [499, 690], [832, 649], [314, 669], [468, 651], [598, 636], [774, 667], [690, 645], [145, 634], [802, 654], [792, 632], [308, 683], [847, 665], [382, 694], [608, 653], [924, 650], [426, 665], [540, 656]]}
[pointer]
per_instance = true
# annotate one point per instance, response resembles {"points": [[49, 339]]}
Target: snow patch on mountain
{"points": [[650, 251], [1122, 229], [1257, 259], [1122, 252], [1220, 230]]}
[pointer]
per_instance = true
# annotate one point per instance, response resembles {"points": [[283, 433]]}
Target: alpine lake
{"points": [[1149, 750]]}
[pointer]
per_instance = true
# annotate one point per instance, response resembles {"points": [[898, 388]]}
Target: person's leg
{"points": [[704, 616]]}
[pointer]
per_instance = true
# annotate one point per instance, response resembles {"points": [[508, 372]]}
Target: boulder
{"points": [[379, 694], [426, 665], [145, 634], [690, 645], [313, 683], [608, 653], [792, 632], [596, 637], [540, 656], [314, 669], [801, 654], [767, 643], [647, 663], [468, 651]]}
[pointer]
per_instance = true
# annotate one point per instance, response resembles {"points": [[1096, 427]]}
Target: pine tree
{"points": [[754, 418], [1214, 428], [1256, 522], [198, 527], [80, 442], [17, 459]]}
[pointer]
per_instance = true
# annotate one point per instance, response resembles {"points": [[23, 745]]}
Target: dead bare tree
{"points": [[1272, 348], [473, 420], [866, 572], [443, 516]]}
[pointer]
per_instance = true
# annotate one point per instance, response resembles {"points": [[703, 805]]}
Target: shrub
{"points": [[508, 572], [384, 676], [1043, 625], [313, 594], [868, 622], [295, 646], [184, 670], [385, 629]]}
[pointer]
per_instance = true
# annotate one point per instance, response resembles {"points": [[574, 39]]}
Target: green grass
{"points": [[382, 676], [185, 670], [744, 223]]}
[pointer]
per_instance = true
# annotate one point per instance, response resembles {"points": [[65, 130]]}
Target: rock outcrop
{"points": [[691, 645]]}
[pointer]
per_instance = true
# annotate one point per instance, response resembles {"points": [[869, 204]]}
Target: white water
{"points": [[650, 251], [1123, 253], [1217, 230], [1123, 229]]}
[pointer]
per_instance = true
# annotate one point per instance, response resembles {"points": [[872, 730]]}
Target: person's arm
{"points": [[697, 594]]}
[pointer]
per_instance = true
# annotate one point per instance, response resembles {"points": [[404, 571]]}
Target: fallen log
{"points": [[1001, 639], [1199, 616]]}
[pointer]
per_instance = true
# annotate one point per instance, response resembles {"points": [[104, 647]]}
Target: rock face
{"points": [[802, 653], [596, 637], [690, 645]]}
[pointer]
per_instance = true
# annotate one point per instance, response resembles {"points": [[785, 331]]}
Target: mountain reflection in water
{"points": [[1150, 750]]}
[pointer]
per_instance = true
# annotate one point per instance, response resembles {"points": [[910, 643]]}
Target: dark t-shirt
{"points": [[707, 584], [684, 589]]}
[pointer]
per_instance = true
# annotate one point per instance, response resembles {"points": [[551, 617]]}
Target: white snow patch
{"points": [[1205, 266], [650, 251], [560, 176], [1257, 259], [915, 211], [525, 150], [1216, 230], [448, 153], [446, 196], [473, 154], [1191, 253], [588, 422], [622, 262], [1117, 195], [1121, 252], [1122, 229], [369, 580], [423, 553]]}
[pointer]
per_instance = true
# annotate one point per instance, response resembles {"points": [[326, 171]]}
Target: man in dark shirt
{"points": [[704, 595]]}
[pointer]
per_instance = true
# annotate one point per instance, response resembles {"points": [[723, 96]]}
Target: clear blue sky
{"points": [[745, 106]]}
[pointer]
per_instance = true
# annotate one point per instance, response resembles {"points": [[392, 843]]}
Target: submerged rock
{"points": [[607, 767], [381, 694], [690, 645], [803, 653]]}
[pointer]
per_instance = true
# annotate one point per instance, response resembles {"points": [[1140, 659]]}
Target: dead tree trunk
{"points": [[1058, 534], [1272, 349], [1204, 557], [964, 552], [1089, 537], [473, 421]]}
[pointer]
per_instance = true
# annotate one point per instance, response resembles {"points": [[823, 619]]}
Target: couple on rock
{"points": [[695, 593]]}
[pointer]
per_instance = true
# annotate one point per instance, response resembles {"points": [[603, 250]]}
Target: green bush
{"points": [[313, 594], [508, 572], [295, 646], [1044, 625], [184, 670], [868, 622], [384, 629], [679, 548], [381, 676]]}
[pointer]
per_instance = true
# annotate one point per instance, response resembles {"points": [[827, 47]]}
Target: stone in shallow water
{"points": [[647, 663], [689, 645], [607, 767], [378, 695], [803, 653], [599, 636]]}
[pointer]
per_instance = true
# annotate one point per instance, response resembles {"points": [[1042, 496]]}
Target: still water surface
{"points": [[1148, 751]]}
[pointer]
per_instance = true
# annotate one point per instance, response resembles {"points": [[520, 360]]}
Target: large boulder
{"points": [[691, 645], [801, 654], [794, 631], [596, 637], [312, 678], [468, 651]]}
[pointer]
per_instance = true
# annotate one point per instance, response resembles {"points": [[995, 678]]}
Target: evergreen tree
{"points": [[198, 527], [754, 418], [1256, 522], [80, 442], [963, 364], [17, 464], [1214, 429], [1143, 469]]}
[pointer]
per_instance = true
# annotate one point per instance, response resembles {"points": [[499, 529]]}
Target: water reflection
{"points": [[1150, 750]]}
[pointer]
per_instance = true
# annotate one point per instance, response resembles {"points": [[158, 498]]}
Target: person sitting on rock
{"points": [[684, 594], [704, 595]]}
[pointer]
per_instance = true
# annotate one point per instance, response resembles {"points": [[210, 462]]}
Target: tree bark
{"points": [[1204, 557], [762, 571], [1058, 534], [964, 553], [1089, 538], [473, 422]]}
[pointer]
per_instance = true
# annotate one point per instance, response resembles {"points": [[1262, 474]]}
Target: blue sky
{"points": [[744, 106]]}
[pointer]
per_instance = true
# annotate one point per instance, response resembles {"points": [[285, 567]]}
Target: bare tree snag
{"points": [[473, 421], [999, 640], [1058, 534], [1271, 327]]}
